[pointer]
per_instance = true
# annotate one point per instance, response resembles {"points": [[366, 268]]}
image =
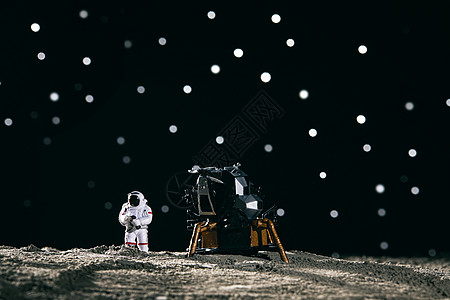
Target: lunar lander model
{"points": [[225, 214]]}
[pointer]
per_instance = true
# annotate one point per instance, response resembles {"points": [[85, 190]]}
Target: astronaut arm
{"points": [[145, 219], [124, 219]]}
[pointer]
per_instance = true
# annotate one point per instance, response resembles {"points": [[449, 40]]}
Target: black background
{"points": [[55, 195]]}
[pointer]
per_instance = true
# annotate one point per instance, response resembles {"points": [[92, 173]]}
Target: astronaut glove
{"points": [[136, 222]]}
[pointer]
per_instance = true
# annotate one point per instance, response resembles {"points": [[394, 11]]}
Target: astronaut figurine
{"points": [[136, 215]]}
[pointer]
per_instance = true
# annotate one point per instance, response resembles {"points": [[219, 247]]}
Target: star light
{"points": [[384, 245], [173, 128], [334, 214], [323, 175], [41, 56], [367, 148], [211, 15], [47, 141], [361, 119], [268, 148], [215, 69], [165, 209], [141, 89], [187, 89], [54, 96], [303, 94], [379, 188], [35, 27], [56, 120], [280, 212], [312, 132], [265, 77], [162, 41], [127, 44], [8, 121], [89, 98], [126, 159], [362, 49], [290, 43], [220, 140], [381, 212], [83, 14], [412, 152], [276, 18], [120, 140], [86, 61], [238, 53], [409, 106]]}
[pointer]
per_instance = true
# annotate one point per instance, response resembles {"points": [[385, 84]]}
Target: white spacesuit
{"points": [[136, 215]]}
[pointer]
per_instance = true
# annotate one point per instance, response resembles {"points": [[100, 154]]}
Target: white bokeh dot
{"points": [[409, 106], [140, 89], [162, 41], [280, 212], [312, 132], [35, 27], [268, 148], [362, 49], [215, 69], [412, 152], [220, 140], [334, 214], [238, 53], [265, 77], [41, 56], [89, 98], [361, 119], [367, 148], [165, 209], [56, 120], [54, 96], [290, 43], [8, 121], [432, 252], [381, 212], [91, 184], [303, 94], [83, 14], [127, 44], [47, 141], [323, 175], [173, 128], [86, 61], [415, 190], [384, 245], [379, 188], [120, 140], [335, 255], [27, 203], [187, 89], [108, 205], [448, 102], [211, 15], [276, 18], [126, 159]]}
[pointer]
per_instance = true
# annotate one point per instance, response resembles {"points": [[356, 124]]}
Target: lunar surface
{"points": [[116, 272]]}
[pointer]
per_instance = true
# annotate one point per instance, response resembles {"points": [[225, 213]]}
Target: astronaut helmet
{"points": [[135, 198]]}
